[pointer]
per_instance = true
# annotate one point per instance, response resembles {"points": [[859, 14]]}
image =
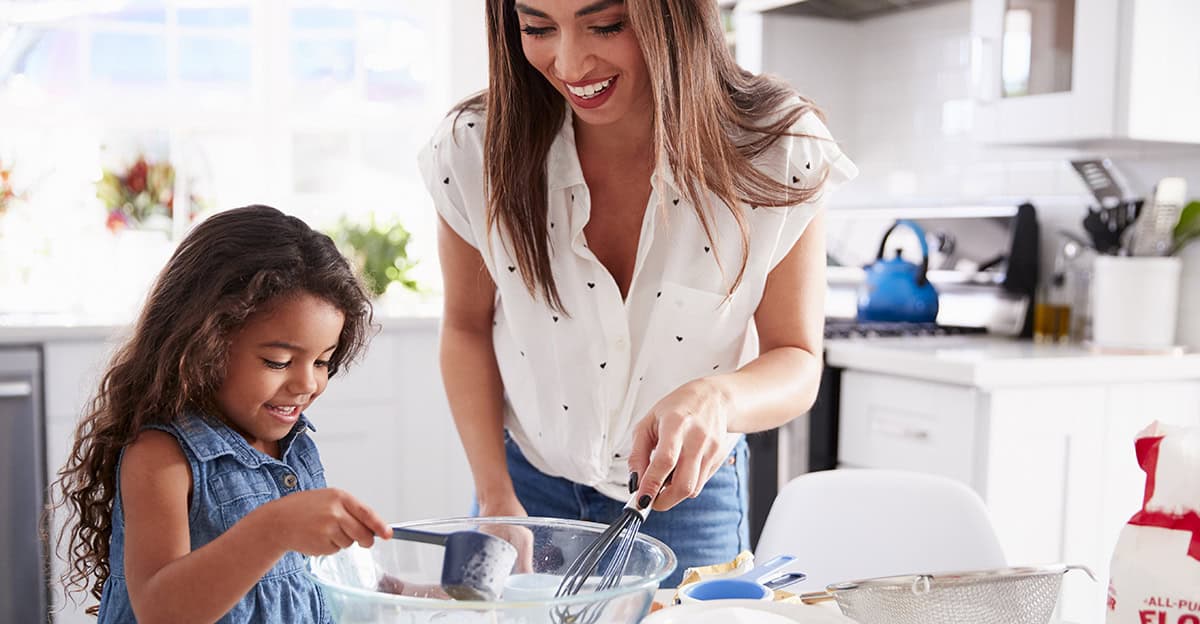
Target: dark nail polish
{"points": [[633, 482], [644, 501]]}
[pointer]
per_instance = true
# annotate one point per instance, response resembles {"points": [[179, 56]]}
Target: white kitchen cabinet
{"points": [[1055, 464], [383, 427], [1079, 72]]}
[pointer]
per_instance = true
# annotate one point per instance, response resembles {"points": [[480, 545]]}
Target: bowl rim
{"points": [[651, 582]]}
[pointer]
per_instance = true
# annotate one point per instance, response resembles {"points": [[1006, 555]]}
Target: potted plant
{"points": [[141, 196], [380, 250], [1187, 247]]}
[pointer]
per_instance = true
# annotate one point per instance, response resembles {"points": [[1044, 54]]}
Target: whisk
{"points": [[616, 542]]}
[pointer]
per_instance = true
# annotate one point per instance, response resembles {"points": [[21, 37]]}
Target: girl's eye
{"points": [[610, 30], [534, 31], [321, 363], [275, 365]]}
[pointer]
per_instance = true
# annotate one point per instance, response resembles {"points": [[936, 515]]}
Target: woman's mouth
{"points": [[593, 94]]}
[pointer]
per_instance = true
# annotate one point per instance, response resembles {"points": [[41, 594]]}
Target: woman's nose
{"points": [[574, 58]]}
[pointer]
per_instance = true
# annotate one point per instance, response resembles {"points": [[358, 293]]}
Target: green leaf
{"points": [[1188, 228], [380, 251]]}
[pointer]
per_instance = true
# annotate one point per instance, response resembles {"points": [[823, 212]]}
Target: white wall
{"points": [[896, 90]]}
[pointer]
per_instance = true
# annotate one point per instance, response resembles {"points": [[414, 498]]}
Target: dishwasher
{"points": [[23, 577]]}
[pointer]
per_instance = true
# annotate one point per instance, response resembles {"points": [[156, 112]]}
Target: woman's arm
{"points": [[683, 432], [781, 383], [470, 373], [170, 582]]}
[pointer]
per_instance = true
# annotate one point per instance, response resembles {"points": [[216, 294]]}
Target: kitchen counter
{"points": [[992, 362], [34, 329]]}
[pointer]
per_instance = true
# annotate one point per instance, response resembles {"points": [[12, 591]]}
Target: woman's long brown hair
{"points": [[711, 118], [229, 267]]}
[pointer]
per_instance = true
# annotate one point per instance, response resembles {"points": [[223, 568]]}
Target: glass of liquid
{"points": [[1052, 315]]}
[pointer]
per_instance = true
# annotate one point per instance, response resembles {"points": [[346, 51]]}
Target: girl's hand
{"points": [[519, 537], [322, 522], [683, 433]]}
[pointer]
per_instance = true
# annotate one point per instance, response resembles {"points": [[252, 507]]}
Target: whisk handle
{"points": [[413, 535]]}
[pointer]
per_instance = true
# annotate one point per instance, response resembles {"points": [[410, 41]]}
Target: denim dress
{"points": [[230, 479]]}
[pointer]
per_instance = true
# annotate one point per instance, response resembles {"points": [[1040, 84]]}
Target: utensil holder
{"points": [[1135, 302]]}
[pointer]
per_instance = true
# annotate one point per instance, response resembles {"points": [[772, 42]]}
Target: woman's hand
{"points": [[322, 522], [682, 434]]}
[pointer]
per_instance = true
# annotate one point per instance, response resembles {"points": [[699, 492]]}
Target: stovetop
{"points": [[849, 328]]}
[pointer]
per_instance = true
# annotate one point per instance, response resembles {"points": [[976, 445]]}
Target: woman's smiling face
{"points": [[586, 49]]}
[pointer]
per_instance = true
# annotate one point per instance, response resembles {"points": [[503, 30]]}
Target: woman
{"points": [[615, 209]]}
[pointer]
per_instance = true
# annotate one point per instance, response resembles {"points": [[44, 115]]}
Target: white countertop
{"points": [[991, 362]]}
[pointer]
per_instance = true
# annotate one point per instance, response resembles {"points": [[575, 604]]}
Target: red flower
{"points": [[136, 180], [116, 222]]}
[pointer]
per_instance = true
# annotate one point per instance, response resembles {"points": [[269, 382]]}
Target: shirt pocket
{"points": [[697, 333], [239, 491]]}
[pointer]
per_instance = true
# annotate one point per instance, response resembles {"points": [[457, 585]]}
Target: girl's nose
{"points": [[303, 381], [574, 59]]}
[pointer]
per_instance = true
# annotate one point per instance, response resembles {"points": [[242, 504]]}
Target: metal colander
{"points": [[1006, 596]]}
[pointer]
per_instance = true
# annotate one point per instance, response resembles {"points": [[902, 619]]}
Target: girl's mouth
{"points": [[284, 413]]}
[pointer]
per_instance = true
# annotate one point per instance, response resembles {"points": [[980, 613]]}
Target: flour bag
{"points": [[1156, 565]]}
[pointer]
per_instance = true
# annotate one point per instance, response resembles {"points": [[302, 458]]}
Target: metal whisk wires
{"points": [[615, 543]]}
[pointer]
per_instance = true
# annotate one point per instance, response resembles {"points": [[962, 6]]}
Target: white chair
{"points": [[845, 525]]}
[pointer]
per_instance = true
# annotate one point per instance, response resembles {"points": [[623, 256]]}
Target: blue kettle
{"points": [[895, 290]]}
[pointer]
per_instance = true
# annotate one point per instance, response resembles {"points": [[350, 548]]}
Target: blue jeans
{"points": [[708, 529]]}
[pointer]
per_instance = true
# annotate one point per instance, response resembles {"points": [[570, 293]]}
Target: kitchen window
{"points": [[316, 107]]}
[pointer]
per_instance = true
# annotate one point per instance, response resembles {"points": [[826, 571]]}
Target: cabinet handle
{"points": [[898, 430], [15, 389]]}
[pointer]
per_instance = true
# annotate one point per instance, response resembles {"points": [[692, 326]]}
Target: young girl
{"points": [[197, 490]]}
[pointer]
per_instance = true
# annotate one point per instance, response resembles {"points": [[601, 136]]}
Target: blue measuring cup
{"points": [[746, 586]]}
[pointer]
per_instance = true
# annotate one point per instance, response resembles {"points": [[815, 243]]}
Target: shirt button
{"points": [[620, 342], [289, 481]]}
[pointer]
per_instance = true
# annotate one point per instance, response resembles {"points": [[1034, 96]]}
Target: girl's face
{"points": [[587, 50], [278, 365]]}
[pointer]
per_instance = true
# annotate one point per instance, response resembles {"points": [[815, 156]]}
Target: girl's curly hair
{"points": [[230, 266]]}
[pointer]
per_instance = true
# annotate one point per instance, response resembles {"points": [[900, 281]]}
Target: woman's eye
{"points": [[535, 31], [610, 30], [275, 365], [321, 363]]}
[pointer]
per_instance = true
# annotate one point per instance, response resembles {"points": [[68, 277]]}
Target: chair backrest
{"points": [[845, 525]]}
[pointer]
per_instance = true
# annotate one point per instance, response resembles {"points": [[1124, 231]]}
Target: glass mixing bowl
{"points": [[360, 583]]}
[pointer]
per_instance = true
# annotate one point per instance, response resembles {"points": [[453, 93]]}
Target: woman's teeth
{"points": [[590, 91]]}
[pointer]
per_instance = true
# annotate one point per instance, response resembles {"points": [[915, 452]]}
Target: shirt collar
{"points": [[563, 168], [565, 171], [209, 438]]}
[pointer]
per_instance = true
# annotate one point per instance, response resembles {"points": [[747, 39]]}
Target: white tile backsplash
{"points": [[897, 93]]}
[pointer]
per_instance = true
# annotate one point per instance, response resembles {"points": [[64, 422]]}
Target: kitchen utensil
{"points": [[1153, 233], [1098, 175], [896, 290], [474, 566], [614, 544], [747, 585], [1106, 238], [351, 578], [1006, 596]]}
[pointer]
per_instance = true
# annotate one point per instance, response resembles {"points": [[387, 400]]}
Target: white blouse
{"points": [[576, 386]]}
